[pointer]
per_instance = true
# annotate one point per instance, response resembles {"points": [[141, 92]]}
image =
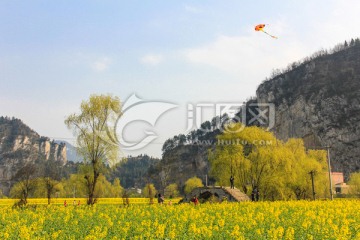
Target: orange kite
{"points": [[261, 27]]}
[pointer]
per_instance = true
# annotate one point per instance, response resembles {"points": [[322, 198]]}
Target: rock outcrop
{"points": [[19, 144], [184, 162], [317, 100]]}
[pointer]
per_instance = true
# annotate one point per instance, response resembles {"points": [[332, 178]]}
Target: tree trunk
{"points": [[245, 189], [48, 196], [25, 195], [91, 188]]}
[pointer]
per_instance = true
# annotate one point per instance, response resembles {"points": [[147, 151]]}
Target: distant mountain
{"points": [[71, 152]]}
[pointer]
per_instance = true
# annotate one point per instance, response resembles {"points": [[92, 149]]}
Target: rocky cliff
{"points": [[20, 144], [182, 163], [319, 101]]}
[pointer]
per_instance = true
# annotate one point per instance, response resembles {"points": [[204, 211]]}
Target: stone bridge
{"points": [[217, 192]]}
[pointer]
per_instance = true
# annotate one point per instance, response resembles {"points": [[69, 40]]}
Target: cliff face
{"points": [[19, 144], [319, 101], [182, 163]]}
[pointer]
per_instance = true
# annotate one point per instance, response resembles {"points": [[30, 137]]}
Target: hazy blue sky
{"points": [[54, 54]]}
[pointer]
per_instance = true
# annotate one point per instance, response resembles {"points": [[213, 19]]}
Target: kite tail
{"points": [[270, 35]]}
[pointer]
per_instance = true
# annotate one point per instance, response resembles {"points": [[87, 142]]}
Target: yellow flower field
{"points": [[338, 219], [60, 201]]}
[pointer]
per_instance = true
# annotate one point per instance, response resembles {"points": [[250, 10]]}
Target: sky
{"points": [[55, 54]]}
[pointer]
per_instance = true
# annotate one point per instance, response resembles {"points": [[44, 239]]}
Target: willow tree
{"points": [[227, 160], [258, 160], [192, 183], [238, 153], [355, 183], [94, 141]]}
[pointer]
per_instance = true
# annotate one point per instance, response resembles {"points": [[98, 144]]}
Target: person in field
{"points": [[195, 200], [232, 182], [160, 199], [255, 195]]}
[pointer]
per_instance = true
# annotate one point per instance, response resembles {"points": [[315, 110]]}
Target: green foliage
{"points": [[149, 190], [116, 189], [16, 190], [23, 189], [104, 188], [257, 159], [74, 186], [91, 127], [46, 187], [134, 171], [26, 182], [192, 183], [172, 191], [354, 183]]}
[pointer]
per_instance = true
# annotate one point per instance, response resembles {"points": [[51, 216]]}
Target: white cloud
{"points": [[102, 64], [152, 59], [253, 54], [250, 57]]}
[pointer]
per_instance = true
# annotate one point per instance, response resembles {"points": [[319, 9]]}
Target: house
{"points": [[339, 185]]}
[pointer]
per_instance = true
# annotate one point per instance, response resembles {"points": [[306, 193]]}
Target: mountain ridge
{"points": [[19, 144], [300, 112]]}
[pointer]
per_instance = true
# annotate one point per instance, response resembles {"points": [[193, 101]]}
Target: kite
{"points": [[261, 27]]}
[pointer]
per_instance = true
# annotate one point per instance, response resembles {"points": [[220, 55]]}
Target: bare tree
{"points": [[164, 177]]}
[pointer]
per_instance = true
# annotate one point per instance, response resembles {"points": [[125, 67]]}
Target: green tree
{"points": [[318, 161], [171, 191], [94, 140], [149, 190], [74, 186], [50, 177], [354, 183], [257, 159], [206, 126], [192, 183], [45, 186], [228, 160], [104, 188], [50, 186], [22, 190], [117, 190], [242, 153]]}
